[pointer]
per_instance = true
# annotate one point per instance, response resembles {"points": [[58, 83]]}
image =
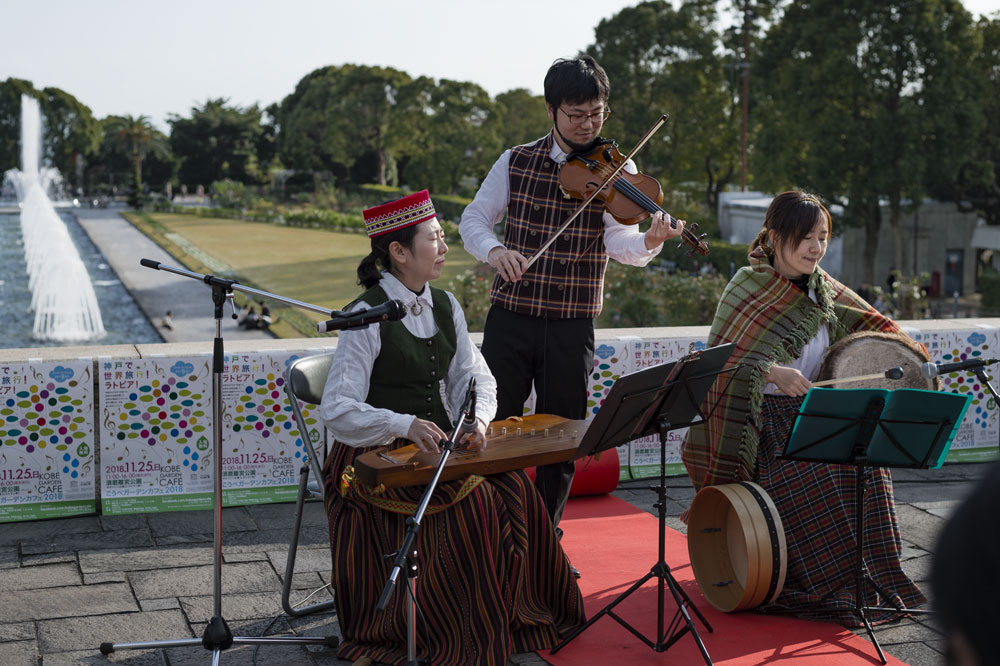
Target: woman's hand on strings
{"points": [[474, 440], [660, 231], [508, 263], [426, 435], [788, 380]]}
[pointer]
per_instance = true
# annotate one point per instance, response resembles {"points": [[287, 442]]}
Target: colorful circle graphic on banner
{"points": [[264, 411], [966, 383], [162, 411], [42, 416]]}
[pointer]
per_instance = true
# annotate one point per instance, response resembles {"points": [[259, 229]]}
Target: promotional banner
{"points": [[157, 440], [156, 434], [977, 437], [262, 448], [644, 453], [46, 440]]}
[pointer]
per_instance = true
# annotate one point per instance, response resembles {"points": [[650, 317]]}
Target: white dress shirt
{"points": [[811, 358], [344, 410], [622, 242]]}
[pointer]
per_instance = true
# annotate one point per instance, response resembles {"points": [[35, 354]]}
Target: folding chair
{"points": [[304, 380]]}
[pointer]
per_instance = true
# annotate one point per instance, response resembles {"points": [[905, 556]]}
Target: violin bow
{"points": [[593, 195]]}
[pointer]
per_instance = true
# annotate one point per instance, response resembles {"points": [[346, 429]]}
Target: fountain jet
{"points": [[62, 295]]}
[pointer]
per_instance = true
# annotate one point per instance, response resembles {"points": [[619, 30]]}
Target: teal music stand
{"points": [[874, 428]]}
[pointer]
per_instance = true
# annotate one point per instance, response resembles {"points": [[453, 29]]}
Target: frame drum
{"points": [[736, 543], [870, 352]]}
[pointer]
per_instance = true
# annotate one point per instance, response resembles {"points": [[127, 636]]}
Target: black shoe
{"points": [[573, 570]]}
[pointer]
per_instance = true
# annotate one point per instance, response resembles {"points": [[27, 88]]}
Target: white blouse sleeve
{"points": [[467, 363], [344, 410]]}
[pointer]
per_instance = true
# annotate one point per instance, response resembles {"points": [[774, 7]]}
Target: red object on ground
{"points": [[593, 477], [615, 544]]}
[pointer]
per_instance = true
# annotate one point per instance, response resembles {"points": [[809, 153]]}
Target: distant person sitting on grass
{"points": [[265, 316], [250, 319]]}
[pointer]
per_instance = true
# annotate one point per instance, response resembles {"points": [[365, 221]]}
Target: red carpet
{"points": [[614, 544]]}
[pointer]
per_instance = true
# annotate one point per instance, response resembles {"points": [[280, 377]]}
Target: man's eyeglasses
{"points": [[580, 118]]}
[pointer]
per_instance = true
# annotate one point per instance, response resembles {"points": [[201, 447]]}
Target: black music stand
{"points": [[874, 428], [655, 401]]}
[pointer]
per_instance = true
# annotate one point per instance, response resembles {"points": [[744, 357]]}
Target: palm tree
{"points": [[135, 137]]}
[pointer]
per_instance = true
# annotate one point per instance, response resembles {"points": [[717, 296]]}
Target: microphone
{"points": [[932, 370], [469, 423], [389, 311]]}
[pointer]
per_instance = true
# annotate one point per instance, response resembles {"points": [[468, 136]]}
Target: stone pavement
{"points": [[157, 291], [71, 584]]}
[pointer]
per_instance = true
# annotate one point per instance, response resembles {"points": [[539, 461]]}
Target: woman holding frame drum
{"points": [[783, 311]]}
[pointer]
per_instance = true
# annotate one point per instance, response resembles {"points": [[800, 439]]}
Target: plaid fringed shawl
{"points": [[770, 320]]}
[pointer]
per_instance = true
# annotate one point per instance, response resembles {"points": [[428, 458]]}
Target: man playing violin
{"points": [[540, 328]]}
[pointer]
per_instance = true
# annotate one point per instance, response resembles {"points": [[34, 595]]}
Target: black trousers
{"points": [[557, 357]]}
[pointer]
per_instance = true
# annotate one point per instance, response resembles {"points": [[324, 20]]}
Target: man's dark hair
{"points": [[575, 81]]}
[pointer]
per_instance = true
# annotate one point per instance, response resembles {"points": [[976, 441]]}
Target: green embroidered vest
{"points": [[409, 373]]}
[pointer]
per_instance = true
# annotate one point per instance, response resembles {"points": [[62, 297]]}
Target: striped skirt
{"points": [[816, 502], [492, 579]]}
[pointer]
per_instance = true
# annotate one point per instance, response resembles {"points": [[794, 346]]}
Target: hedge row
{"points": [[447, 206]]}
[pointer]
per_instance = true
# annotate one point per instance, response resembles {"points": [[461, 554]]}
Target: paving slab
{"points": [[86, 632], [919, 527], [282, 516], [194, 581], [17, 631], [9, 557], [19, 653], [35, 578], [14, 533], [141, 559], [128, 522], [42, 559], [57, 542], [249, 606], [234, 519], [306, 559], [159, 604], [60, 602]]}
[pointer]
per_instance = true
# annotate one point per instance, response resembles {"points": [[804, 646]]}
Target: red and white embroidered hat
{"points": [[399, 214]]}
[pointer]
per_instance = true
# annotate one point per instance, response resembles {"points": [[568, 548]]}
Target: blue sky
{"points": [[143, 58]]}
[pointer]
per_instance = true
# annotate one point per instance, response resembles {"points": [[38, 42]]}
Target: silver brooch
{"points": [[417, 307]]}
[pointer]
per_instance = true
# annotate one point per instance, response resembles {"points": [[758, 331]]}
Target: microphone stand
{"points": [[984, 376], [406, 555], [218, 636]]}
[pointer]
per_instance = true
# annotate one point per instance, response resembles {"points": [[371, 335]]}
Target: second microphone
{"points": [[389, 311]]}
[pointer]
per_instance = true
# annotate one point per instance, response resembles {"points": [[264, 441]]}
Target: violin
{"points": [[629, 197]]}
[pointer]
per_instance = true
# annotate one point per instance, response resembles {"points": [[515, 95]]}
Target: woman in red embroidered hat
{"points": [[493, 579]]}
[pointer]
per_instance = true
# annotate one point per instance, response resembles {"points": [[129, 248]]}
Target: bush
{"points": [[318, 218], [472, 289], [989, 286], [635, 297], [447, 206]]}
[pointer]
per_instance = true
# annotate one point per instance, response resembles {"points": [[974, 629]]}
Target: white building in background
{"points": [[939, 241]]}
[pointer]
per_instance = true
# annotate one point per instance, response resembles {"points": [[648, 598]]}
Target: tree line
{"points": [[865, 102]]}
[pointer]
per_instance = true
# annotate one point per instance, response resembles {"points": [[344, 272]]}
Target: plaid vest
{"points": [[567, 280]]}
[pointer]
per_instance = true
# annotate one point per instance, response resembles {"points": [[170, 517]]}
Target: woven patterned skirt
{"points": [[492, 578], [816, 503]]}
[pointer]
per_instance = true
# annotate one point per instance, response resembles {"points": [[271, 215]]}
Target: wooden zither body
{"points": [[511, 444]]}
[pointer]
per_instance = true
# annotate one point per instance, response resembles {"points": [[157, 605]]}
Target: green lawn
{"points": [[318, 267]]}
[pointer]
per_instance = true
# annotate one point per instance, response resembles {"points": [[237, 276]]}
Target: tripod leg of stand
{"points": [[607, 610], [859, 562], [682, 600], [662, 573]]}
